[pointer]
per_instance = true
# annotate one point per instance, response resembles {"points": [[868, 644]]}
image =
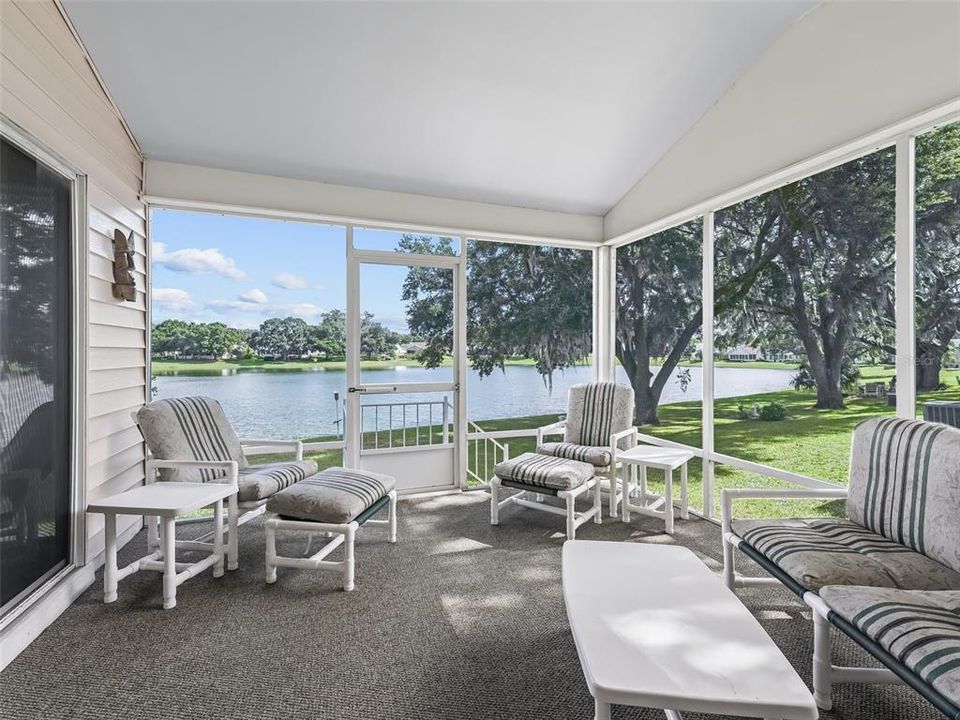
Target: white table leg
{"points": [[153, 541], [110, 558], [571, 510], [494, 502], [232, 548], [597, 504], [601, 710], [218, 537], [684, 502], [643, 484], [393, 517], [168, 537], [348, 563], [668, 500], [629, 475], [612, 480]]}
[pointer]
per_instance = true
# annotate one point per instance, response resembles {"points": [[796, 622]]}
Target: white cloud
{"points": [[254, 296], [307, 311], [236, 305], [173, 299], [196, 261], [289, 281]]}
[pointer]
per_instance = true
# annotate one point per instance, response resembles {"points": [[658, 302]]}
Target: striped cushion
{"points": [[597, 410], [189, 428], [905, 485], [544, 471], [261, 481], [596, 456], [829, 551], [920, 629], [336, 495]]}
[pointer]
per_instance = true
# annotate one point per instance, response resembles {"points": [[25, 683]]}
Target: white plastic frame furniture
{"points": [[534, 500], [164, 501], [825, 673], [238, 513], [656, 506], [341, 534], [610, 473]]}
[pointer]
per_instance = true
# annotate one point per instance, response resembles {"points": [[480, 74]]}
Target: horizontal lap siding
{"points": [[47, 88]]}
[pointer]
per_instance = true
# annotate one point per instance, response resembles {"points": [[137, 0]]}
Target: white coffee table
{"points": [[655, 627], [165, 500], [659, 458]]}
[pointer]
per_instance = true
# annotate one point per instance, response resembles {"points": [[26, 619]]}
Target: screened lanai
{"points": [[480, 360]]}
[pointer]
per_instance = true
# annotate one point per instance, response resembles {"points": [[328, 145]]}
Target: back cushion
{"points": [[189, 428], [905, 485], [597, 410]]}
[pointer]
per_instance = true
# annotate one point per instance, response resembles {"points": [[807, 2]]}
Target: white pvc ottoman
{"points": [[538, 475], [334, 503]]}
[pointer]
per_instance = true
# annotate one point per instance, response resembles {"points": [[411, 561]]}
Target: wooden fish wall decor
{"points": [[124, 284]]}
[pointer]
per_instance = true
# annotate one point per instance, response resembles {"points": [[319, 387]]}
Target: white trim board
{"points": [[193, 187]]}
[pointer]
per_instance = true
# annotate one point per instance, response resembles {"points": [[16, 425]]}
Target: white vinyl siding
{"points": [[48, 88]]}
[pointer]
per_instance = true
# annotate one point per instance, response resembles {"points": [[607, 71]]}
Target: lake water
{"points": [[301, 403]]}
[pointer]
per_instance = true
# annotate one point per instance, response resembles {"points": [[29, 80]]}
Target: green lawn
{"points": [[809, 442]]}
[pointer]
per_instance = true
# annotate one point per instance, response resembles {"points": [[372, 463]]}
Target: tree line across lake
{"points": [[276, 339]]}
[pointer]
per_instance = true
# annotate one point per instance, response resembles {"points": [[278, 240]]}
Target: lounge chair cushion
{"points": [[905, 485], [544, 471], [920, 629], [335, 495], [830, 551], [596, 456], [261, 481], [190, 428], [597, 410]]}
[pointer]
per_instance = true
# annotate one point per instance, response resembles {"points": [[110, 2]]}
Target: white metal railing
{"points": [[493, 451], [406, 424]]}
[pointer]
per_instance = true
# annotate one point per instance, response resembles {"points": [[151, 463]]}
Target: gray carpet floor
{"points": [[459, 620]]}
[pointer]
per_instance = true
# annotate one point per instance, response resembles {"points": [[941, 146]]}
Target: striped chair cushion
{"points": [[335, 495], [905, 485], [544, 471], [920, 629], [829, 551], [596, 456], [189, 428], [261, 481], [597, 410]]}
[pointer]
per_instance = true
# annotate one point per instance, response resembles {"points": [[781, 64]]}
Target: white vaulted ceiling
{"points": [[558, 106]]}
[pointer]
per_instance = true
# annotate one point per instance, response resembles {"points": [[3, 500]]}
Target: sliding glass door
{"points": [[36, 218]]}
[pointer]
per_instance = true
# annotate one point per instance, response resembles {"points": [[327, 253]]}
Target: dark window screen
{"points": [[35, 418]]}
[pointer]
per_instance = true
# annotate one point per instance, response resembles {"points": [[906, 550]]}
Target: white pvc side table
{"points": [[660, 458], [165, 500]]}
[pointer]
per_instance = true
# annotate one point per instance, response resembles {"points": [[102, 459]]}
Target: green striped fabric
{"points": [[261, 481], [189, 428], [544, 471], [335, 495], [832, 551], [597, 410], [919, 629], [905, 485], [596, 456]]}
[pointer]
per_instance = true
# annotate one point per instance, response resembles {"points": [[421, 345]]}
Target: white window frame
{"points": [[76, 554]]}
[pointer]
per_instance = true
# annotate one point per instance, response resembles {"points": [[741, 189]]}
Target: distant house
{"points": [[409, 349], [743, 353]]}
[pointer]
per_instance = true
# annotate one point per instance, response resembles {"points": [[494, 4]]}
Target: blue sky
{"points": [[240, 270]]}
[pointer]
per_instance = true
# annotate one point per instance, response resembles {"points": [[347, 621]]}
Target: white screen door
{"points": [[406, 325]]}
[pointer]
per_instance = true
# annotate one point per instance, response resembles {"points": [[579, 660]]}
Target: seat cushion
{"points": [[258, 482], [544, 471], [920, 629], [190, 428], [596, 456], [335, 495], [905, 485], [829, 551]]}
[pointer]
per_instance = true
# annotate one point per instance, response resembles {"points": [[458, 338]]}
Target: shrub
{"points": [[773, 411]]}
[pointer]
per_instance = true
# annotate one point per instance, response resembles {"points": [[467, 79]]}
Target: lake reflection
{"points": [[285, 404]]}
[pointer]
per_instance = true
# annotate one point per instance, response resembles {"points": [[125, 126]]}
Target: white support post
{"points": [[707, 367], [604, 321], [461, 450], [905, 279], [353, 424]]}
